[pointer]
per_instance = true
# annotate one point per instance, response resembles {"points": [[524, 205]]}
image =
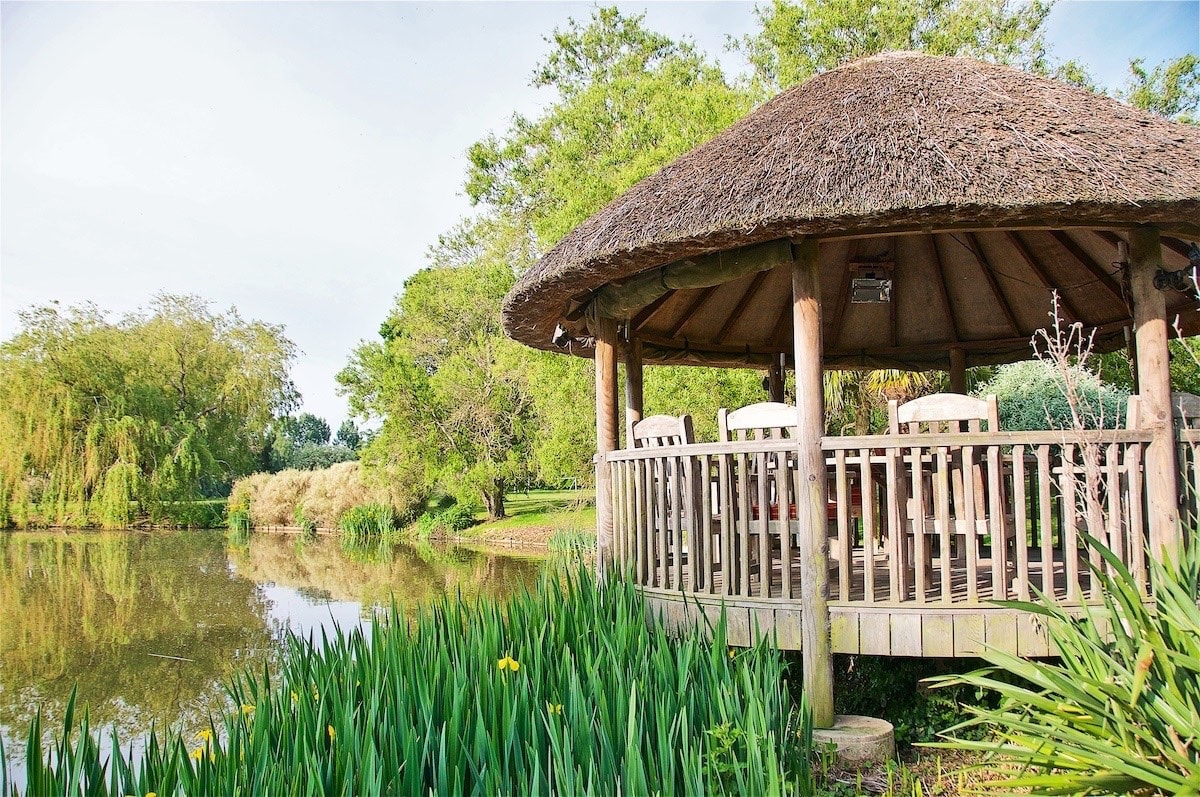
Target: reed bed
{"points": [[565, 690]]}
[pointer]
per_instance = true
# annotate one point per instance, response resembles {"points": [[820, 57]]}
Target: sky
{"points": [[297, 160]]}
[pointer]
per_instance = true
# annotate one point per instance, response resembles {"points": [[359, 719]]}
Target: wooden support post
{"points": [[1154, 383], [605, 330], [958, 371], [813, 541], [775, 381], [633, 384], [1130, 340]]}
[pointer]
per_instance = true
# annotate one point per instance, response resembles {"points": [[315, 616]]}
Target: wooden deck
{"points": [[698, 528]]}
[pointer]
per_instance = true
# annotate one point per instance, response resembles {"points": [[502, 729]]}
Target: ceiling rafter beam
{"points": [[646, 313], [739, 308], [988, 274], [1085, 260], [945, 290], [843, 299], [1040, 272], [697, 303]]}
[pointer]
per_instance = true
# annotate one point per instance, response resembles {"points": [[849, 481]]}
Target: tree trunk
{"points": [[493, 499]]}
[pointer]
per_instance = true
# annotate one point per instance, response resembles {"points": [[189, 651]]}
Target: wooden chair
{"points": [[951, 413], [673, 484], [767, 420], [773, 420], [661, 430]]}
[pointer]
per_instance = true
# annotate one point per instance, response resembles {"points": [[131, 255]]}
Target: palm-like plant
{"points": [[1119, 713]]}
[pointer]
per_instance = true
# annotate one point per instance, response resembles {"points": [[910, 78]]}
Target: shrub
{"points": [[279, 497], [303, 522], [451, 520], [332, 492], [1031, 394], [238, 521], [1117, 714], [206, 514]]}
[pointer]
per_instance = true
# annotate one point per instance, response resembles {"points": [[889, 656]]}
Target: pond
{"points": [[149, 627]]}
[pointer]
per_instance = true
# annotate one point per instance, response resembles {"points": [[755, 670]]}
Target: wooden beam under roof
{"points": [[1040, 272], [986, 267], [743, 303], [1085, 260], [705, 295]]}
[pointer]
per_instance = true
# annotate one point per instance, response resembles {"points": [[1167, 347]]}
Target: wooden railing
{"points": [[950, 519]]}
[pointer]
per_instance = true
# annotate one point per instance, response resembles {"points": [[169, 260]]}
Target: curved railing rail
{"points": [[941, 519]]}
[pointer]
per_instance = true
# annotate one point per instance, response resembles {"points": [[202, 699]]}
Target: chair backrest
{"points": [[943, 412], [661, 430], [1185, 411], [765, 420]]}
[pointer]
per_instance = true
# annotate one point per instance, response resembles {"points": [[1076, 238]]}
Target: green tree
{"points": [[1171, 89], [629, 102], [450, 389], [797, 40], [348, 435], [102, 419]]}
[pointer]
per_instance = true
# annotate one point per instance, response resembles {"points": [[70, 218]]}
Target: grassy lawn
{"points": [[544, 510]]}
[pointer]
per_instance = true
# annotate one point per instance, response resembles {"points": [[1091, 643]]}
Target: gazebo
{"points": [[902, 211]]}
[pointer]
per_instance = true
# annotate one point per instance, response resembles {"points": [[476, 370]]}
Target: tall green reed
{"points": [[566, 690], [366, 522]]}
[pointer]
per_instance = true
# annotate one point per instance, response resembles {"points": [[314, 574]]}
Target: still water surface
{"points": [[150, 626]]}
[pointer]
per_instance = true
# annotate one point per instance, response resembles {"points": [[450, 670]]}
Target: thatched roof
{"points": [[977, 187]]}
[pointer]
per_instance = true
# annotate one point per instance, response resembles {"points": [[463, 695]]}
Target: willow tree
{"points": [[101, 420]]}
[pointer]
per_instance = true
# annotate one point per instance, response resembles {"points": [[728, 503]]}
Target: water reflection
{"points": [[151, 626]]}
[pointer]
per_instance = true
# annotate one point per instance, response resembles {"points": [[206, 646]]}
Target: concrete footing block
{"points": [[857, 741]]}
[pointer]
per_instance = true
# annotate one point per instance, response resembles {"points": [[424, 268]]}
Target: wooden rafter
{"points": [[697, 303], [646, 313], [1040, 272], [743, 303], [1085, 260], [986, 267], [844, 294], [945, 291]]}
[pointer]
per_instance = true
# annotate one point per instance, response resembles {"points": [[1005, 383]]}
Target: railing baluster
{"points": [[1046, 520], [763, 525], [845, 544], [997, 526], [895, 536], [916, 516], [945, 524], [1021, 538], [1068, 533], [869, 517], [743, 515], [660, 490], [787, 499], [706, 522], [676, 509], [970, 533], [1112, 479], [725, 501], [1136, 493]]}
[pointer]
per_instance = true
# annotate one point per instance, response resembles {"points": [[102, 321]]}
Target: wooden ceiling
{"points": [[985, 292]]}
